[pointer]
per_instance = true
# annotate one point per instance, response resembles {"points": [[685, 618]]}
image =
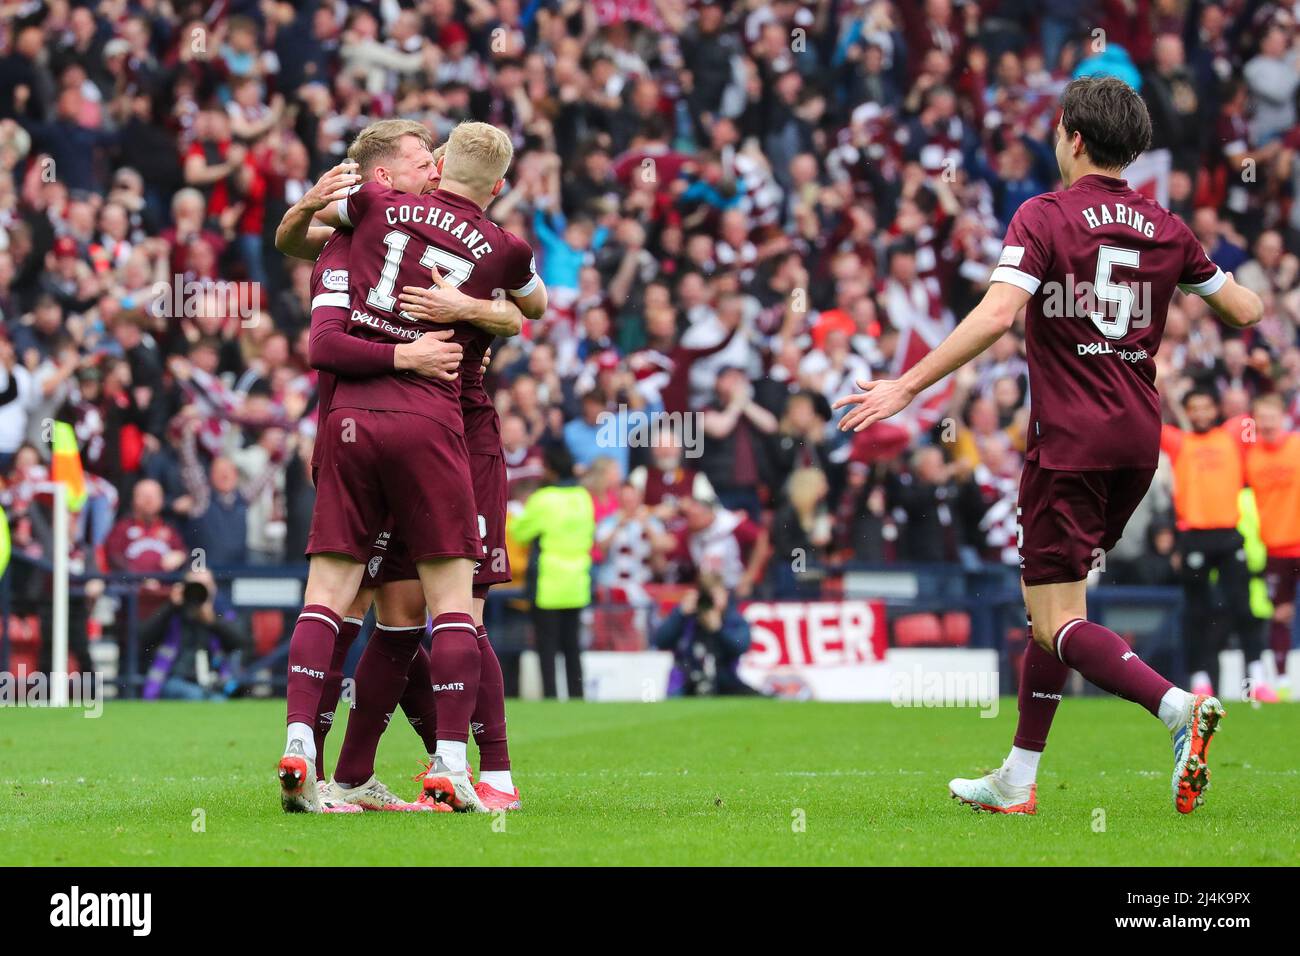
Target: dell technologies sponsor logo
{"points": [[1105, 348], [383, 325]]}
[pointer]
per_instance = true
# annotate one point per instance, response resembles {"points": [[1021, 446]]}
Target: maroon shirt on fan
{"points": [[396, 238], [1101, 263]]}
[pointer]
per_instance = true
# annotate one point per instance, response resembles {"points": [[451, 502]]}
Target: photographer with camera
{"points": [[194, 646], [707, 634]]}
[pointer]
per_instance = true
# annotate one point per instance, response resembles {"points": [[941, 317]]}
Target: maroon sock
{"points": [[454, 665], [1279, 638], [310, 650], [380, 680], [418, 701], [1106, 659], [1042, 678], [332, 689], [489, 720]]}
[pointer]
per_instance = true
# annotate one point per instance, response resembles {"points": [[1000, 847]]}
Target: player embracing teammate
{"points": [[1094, 265], [410, 478]]}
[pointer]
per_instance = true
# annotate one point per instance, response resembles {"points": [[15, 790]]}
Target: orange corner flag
{"points": [[66, 466]]}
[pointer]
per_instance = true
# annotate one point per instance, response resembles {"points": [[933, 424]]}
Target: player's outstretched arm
{"points": [[1235, 304], [296, 236], [444, 303], [985, 324]]}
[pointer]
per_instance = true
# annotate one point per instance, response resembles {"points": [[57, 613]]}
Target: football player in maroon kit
{"points": [[445, 304], [401, 452], [313, 692], [393, 152], [1096, 263]]}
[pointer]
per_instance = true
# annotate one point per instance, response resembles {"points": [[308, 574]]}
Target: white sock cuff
{"points": [[453, 754], [1062, 634]]}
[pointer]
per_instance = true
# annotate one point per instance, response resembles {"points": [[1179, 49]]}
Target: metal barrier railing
{"points": [[989, 595]]}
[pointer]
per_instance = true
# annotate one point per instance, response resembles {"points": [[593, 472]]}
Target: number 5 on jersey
{"points": [[1107, 291]]}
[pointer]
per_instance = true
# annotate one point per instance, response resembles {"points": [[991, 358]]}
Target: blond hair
{"points": [[478, 154], [806, 486], [380, 142]]}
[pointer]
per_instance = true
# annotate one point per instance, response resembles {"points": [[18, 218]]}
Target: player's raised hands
{"points": [[443, 303], [877, 401], [432, 355], [331, 187]]}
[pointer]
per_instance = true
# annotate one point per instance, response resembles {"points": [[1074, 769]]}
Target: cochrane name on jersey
{"points": [[448, 222]]}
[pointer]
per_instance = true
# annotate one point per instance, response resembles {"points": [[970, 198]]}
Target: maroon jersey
{"points": [[139, 546], [482, 424], [329, 303], [1101, 263], [396, 238]]}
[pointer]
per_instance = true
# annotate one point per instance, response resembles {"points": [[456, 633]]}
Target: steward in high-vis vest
{"points": [[1273, 471], [1209, 475]]}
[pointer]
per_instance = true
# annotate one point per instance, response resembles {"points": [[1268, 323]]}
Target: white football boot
{"points": [[373, 795], [297, 773], [992, 794], [452, 789], [1191, 745], [331, 802]]}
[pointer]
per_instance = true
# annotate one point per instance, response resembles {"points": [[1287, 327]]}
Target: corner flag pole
{"points": [[59, 639]]}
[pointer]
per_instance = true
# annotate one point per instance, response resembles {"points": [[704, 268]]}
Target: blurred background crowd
{"points": [[739, 209]]}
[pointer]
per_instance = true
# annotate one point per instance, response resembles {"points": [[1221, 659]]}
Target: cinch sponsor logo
{"points": [[383, 325], [1104, 348], [77, 909], [299, 669], [453, 686]]}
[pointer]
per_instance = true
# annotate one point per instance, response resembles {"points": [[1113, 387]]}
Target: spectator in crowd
{"points": [[801, 440], [726, 223], [802, 535], [735, 427], [631, 542], [929, 501], [142, 542], [727, 543], [18, 395], [218, 514], [668, 479]]}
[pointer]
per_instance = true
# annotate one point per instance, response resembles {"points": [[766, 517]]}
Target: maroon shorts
{"points": [[489, 473], [1069, 519], [393, 470], [1282, 576], [389, 561]]}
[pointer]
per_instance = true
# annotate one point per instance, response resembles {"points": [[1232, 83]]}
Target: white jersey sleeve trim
{"points": [[1210, 286], [341, 207], [526, 288], [1015, 277], [337, 300]]}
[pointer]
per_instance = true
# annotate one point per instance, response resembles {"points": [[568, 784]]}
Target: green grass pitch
{"points": [[684, 782]]}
